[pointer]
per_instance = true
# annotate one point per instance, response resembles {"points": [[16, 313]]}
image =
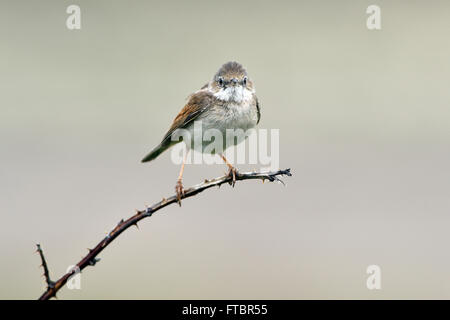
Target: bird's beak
{"points": [[234, 82]]}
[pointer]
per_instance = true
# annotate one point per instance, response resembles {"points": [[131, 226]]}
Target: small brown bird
{"points": [[228, 101]]}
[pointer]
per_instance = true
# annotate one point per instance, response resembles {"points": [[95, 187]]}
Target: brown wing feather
{"points": [[198, 103]]}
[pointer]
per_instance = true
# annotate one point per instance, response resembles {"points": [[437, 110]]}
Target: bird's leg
{"points": [[179, 186], [232, 172]]}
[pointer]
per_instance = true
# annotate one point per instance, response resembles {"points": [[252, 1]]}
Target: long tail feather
{"points": [[157, 151]]}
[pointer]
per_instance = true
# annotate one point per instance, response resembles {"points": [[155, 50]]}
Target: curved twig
{"points": [[90, 259]]}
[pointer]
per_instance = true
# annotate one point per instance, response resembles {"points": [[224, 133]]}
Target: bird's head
{"points": [[231, 83]]}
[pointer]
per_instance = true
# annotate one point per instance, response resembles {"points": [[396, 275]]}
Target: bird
{"points": [[227, 101]]}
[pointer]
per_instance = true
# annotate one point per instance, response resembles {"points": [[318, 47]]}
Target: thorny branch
{"points": [[91, 258]]}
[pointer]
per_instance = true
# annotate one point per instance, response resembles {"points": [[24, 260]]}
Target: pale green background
{"points": [[364, 124]]}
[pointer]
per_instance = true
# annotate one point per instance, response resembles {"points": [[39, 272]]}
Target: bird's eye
{"points": [[220, 81], [244, 81]]}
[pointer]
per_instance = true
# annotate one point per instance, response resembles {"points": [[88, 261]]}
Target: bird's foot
{"points": [[232, 173], [179, 190]]}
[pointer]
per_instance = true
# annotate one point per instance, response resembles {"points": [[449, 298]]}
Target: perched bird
{"points": [[228, 101]]}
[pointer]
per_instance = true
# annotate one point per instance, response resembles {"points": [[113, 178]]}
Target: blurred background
{"points": [[364, 123]]}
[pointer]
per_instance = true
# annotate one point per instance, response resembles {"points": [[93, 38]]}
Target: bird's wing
{"points": [[197, 104]]}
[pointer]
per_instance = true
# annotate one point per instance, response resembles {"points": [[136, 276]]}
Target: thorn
{"points": [[93, 261], [120, 222], [206, 181], [136, 225], [280, 181]]}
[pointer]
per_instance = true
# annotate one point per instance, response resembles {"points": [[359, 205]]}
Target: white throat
{"points": [[236, 94]]}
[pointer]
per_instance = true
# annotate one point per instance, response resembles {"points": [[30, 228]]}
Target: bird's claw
{"points": [[180, 191], [232, 173]]}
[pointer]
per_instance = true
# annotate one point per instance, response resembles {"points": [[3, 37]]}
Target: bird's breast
{"points": [[223, 117], [231, 116]]}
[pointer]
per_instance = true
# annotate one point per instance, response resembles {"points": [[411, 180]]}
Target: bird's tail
{"points": [[160, 148]]}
